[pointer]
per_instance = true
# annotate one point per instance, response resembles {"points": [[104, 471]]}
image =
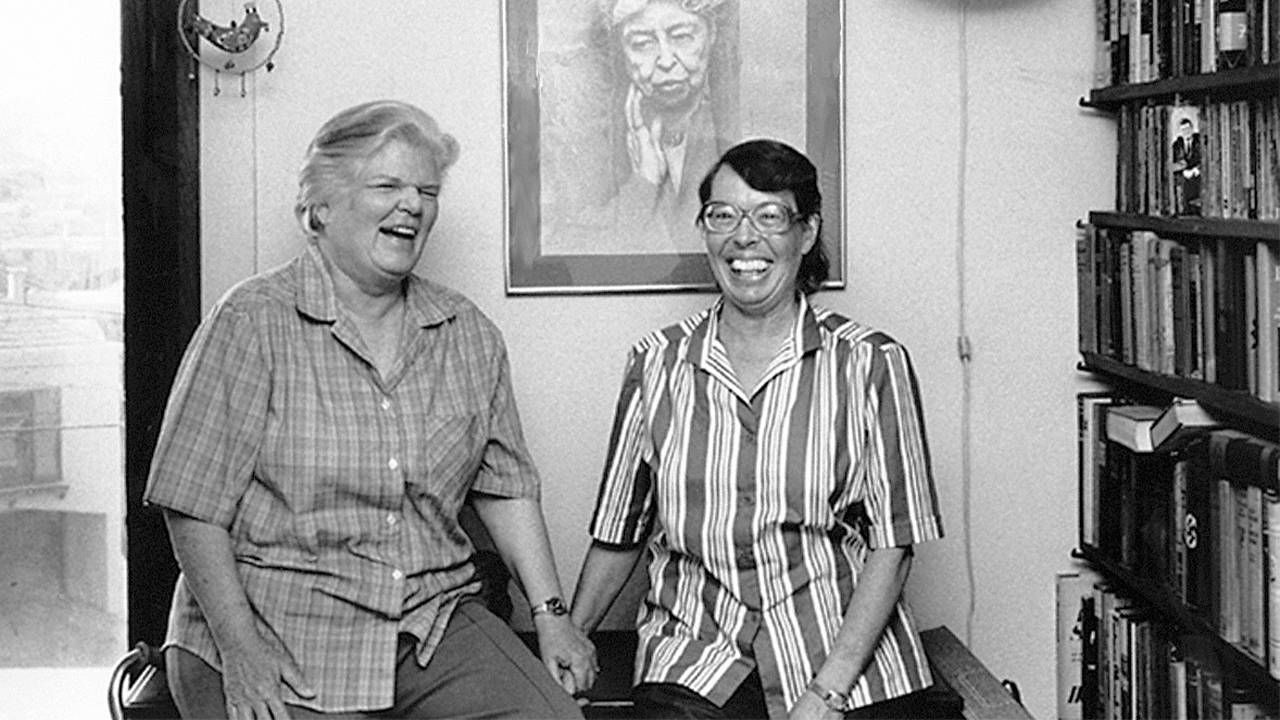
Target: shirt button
{"points": [[397, 574], [385, 404], [746, 499], [393, 464], [391, 519]]}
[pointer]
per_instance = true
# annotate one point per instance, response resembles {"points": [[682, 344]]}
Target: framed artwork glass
{"points": [[615, 110]]}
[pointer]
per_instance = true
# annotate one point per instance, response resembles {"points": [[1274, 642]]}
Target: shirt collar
{"points": [[316, 297], [806, 337]]}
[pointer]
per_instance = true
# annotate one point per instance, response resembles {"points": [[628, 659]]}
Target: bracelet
{"points": [[550, 606], [833, 700]]}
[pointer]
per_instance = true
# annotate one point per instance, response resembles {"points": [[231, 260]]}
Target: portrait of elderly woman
{"points": [[639, 98], [616, 108], [668, 132]]}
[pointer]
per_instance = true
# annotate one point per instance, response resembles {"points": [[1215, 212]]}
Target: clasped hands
{"points": [[569, 655]]}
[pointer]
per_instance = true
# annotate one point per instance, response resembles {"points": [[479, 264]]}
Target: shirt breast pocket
{"points": [[449, 454]]}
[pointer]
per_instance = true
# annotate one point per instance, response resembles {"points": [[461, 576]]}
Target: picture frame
{"points": [[580, 218]]}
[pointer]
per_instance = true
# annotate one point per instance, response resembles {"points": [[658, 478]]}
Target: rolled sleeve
{"points": [[506, 467], [624, 506], [214, 421], [902, 502]]}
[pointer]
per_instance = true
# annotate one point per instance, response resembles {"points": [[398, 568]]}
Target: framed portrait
{"points": [[616, 109]]}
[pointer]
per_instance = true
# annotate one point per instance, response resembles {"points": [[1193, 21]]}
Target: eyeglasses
{"points": [[767, 217]]}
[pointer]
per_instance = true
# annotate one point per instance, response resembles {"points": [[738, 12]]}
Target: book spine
{"points": [[1255, 576], [1086, 290], [1128, 344], [1268, 322], [1208, 312], [1272, 544], [1250, 307], [1178, 579]]}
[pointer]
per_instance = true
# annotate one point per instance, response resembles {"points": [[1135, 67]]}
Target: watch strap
{"points": [[833, 700], [550, 606]]}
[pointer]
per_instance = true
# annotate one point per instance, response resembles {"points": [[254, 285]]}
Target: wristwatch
{"points": [[832, 699], [550, 606]]}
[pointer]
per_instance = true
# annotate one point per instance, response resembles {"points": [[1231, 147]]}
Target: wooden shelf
{"points": [[1163, 601], [1261, 79], [1254, 415], [1199, 226]]}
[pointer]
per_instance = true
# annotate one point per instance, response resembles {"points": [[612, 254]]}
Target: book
{"points": [[1144, 331], [1130, 425], [1253, 584], [1086, 288], [1198, 533], [1251, 323], [1091, 408], [1271, 545], [1165, 350], [1267, 322], [1178, 422], [1072, 589], [1208, 312]]}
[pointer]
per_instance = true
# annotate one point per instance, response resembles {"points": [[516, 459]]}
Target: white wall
{"points": [[967, 157]]}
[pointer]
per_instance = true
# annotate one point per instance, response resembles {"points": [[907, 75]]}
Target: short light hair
{"points": [[350, 138], [614, 12]]}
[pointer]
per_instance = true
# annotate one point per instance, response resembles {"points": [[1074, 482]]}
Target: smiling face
{"points": [[666, 50], [756, 271], [376, 227]]}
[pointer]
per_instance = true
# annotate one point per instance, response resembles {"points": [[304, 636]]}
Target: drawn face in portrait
{"points": [[666, 50]]}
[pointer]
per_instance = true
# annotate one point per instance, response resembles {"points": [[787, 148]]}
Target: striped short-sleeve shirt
{"points": [[340, 487], [760, 504]]}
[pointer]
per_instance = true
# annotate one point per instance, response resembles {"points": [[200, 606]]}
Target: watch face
{"points": [[552, 606]]}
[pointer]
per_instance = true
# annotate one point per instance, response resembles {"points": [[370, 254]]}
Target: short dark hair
{"points": [[773, 166]]}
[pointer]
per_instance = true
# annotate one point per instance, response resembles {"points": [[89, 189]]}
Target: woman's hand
{"points": [[811, 707], [252, 673], [644, 141], [569, 656]]}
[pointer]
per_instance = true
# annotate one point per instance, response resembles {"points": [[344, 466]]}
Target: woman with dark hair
{"points": [[772, 454]]}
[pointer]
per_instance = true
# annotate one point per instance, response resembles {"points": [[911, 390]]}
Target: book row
{"points": [[1200, 308], [1132, 665], [1200, 519], [1139, 41], [1215, 159]]}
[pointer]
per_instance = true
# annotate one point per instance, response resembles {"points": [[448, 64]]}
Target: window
{"points": [[62, 555]]}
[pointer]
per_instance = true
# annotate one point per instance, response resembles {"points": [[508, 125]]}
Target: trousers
{"points": [[480, 669]]}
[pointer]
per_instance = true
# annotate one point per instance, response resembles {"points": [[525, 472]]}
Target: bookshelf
{"points": [[1179, 298], [1232, 229], [1166, 603], [1255, 415], [1255, 79]]}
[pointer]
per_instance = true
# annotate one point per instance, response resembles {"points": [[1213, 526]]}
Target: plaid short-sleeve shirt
{"points": [[760, 506], [340, 487]]}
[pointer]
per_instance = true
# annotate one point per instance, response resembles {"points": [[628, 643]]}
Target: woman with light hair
{"points": [[329, 421]]}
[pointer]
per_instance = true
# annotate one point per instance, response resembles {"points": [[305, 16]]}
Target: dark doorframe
{"points": [[161, 180]]}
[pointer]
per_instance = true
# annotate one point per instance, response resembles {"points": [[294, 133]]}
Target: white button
{"points": [[393, 463], [386, 404], [397, 574], [391, 519]]}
